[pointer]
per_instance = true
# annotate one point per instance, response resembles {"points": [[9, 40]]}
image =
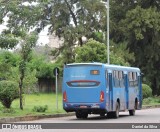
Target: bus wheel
{"points": [[78, 114], [102, 114], [84, 115], [132, 112], [116, 113], [110, 114]]}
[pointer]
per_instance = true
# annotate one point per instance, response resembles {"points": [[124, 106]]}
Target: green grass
{"points": [[34, 100], [50, 100], [151, 101]]}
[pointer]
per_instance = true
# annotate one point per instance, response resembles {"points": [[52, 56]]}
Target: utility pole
{"points": [[108, 32]]}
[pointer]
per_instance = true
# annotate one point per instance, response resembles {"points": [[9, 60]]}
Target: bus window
{"points": [[121, 79], [107, 79], [116, 79]]}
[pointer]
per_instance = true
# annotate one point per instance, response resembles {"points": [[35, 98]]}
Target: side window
{"points": [[133, 80], [116, 79], [130, 76], [121, 79], [107, 79]]}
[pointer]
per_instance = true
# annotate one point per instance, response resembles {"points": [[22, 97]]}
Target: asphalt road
{"points": [[141, 116], [145, 117]]}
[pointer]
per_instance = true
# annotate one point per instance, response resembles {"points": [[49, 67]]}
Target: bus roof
{"points": [[110, 66]]}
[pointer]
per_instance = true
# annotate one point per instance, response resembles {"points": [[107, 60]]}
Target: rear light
{"points": [[64, 96], [101, 96]]}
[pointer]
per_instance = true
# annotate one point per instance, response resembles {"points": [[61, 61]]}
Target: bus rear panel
{"points": [[83, 88]]}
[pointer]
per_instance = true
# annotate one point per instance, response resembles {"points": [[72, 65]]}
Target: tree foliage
{"points": [[144, 41], [8, 92], [138, 24], [135, 24], [147, 91], [94, 51]]}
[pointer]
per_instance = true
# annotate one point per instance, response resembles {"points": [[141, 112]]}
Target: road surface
{"points": [[145, 117]]}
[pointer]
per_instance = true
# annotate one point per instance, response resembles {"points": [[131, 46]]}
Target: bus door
{"points": [[140, 91], [126, 90], [110, 91]]}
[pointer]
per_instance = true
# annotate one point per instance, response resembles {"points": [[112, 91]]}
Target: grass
{"points": [[151, 101], [34, 100], [50, 100]]}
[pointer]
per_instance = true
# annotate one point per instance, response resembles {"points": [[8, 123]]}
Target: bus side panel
{"points": [[126, 90], [111, 92], [140, 96]]}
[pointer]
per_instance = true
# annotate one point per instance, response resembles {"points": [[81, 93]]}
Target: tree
{"points": [[94, 51], [69, 19], [20, 20], [143, 30], [137, 24], [7, 61], [27, 44]]}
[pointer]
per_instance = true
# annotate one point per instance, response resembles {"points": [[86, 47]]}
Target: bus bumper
{"points": [[89, 107]]}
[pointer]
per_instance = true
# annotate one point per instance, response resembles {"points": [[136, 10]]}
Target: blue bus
{"points": [[96, 88]]}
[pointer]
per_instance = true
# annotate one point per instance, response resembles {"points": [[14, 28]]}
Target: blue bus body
{"points": [[96, 88]]}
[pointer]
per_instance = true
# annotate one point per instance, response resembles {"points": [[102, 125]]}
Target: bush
{"points": [[40, 108], [8, 92], [147, 91], [148, 101]]}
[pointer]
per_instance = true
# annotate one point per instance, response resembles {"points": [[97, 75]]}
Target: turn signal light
{"points": [[64, 96], [101, 96]]}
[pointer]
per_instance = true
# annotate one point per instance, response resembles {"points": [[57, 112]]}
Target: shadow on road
{"points": [[100, 117]]}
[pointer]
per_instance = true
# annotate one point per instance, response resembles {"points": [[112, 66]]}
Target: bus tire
{"points": [[84, 115], [102, 114], [116, 113], [110, 114], [78, 114], [132, 112]]}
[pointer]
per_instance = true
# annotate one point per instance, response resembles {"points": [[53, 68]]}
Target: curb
{"points": [[149, 106], [31, 118]]}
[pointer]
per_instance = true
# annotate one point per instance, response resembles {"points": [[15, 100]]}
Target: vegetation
{"points": [[8, 92], [31, 101], [94, 51], [147, 91], [134, 37], [151, 101], [40, 108]]}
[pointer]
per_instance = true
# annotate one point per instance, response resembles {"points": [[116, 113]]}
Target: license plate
{"points": [[83, 106]]}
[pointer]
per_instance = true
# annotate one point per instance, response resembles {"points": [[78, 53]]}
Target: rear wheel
{"points": [[116, 113], [110, 114], [102, 114], [132, 112], [78, 115], [83, 115]]}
